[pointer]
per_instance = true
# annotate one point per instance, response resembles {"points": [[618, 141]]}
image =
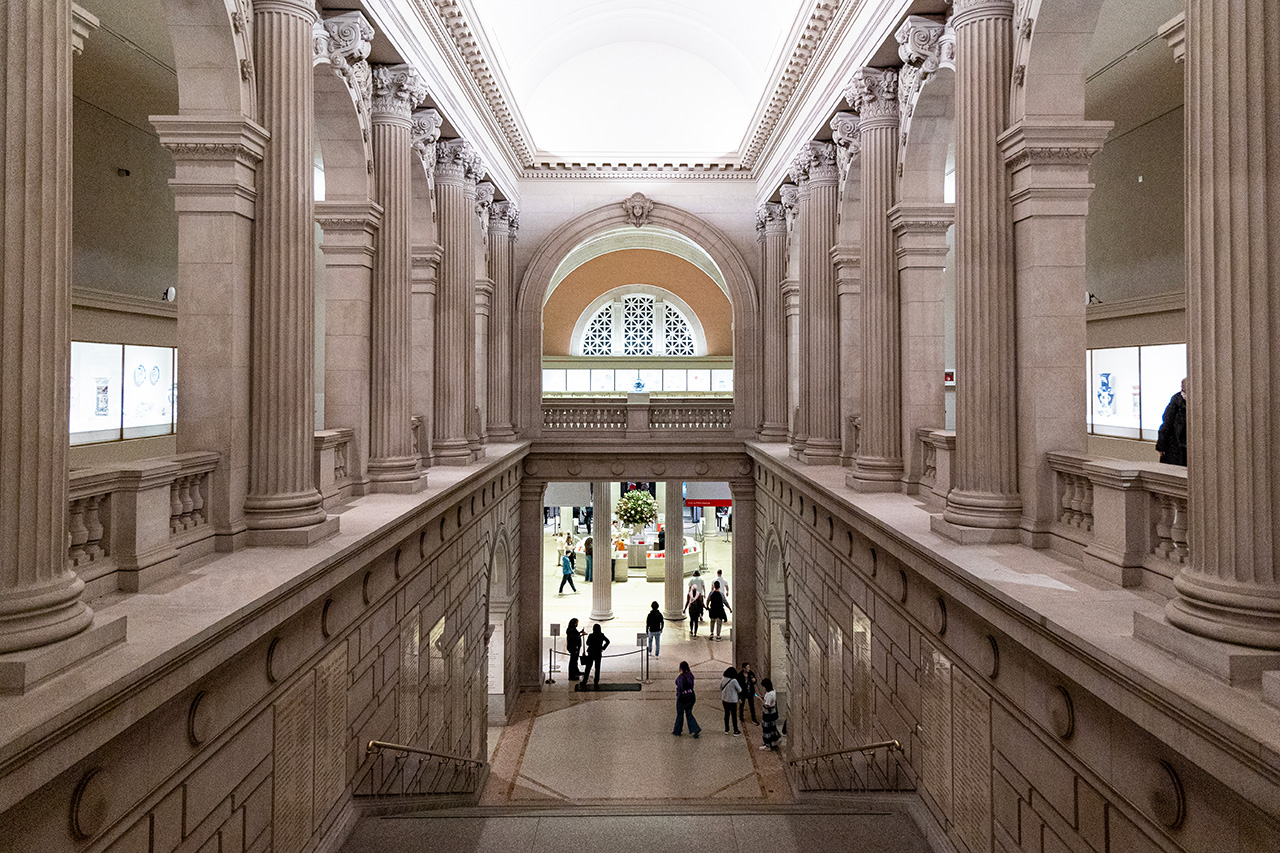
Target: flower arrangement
{"points": [[637, 507]]}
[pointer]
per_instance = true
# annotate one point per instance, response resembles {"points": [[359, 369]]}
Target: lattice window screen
{"points": [[679, 335], [637, 325], [598, 339]]}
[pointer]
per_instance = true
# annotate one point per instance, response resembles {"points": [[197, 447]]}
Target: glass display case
{"points": [[121, 391], [1129, 388]]}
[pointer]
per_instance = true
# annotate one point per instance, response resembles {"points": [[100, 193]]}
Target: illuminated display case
{"points": [[1129, 388], [121, 391]]}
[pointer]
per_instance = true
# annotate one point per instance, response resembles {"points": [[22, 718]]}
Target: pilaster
{"points": [[504, 225], [393, 466], [746, 637], [424, 275], [847, 260], [283, 505], [771, 226], [985, 505], [530, 652]]}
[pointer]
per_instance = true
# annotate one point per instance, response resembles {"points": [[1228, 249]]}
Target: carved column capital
{"points": [[504, 216], [920, 42], [771, 216], [968, 11], [790, 194], [424, 132], [457, 159], [846, 136], [484, 198], [814, 161], [873, 95], [346, 43], [397, 89]]}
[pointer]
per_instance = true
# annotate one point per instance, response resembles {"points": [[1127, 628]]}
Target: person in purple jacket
{"points": [[684, 701]]}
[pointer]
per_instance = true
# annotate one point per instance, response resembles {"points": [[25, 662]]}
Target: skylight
{"points": [[650, 79]]}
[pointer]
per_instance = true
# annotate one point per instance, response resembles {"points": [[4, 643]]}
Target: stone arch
{"points": [[500, 574], [777, 604], [849, 210], [556, 247], [930, 143], [211, 46], [341, 134], [1051, 50]]}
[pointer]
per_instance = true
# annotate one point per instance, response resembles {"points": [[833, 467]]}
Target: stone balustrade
{"points": [[135, 523], [1127, 521], [331, 461], [690, 415], [937, 452], [638, 417], [584, 415]]}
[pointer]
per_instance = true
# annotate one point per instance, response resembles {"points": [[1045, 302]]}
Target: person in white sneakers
{"points": [[729, 690]]}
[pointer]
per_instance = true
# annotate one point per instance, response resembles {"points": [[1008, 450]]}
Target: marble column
{"points": [[985, 505], [458, 167], [531, 654], [746, 643], [1230, 591], [283, 505], [921, 232], [504, 224], [790, 195], [40, 598], [873, 94], [484, 311], [847, 259], [673, 579], [393, 466], [800, 245], [771, 226], [350, 231], [424, 275], [815, 169], [602, 546]]}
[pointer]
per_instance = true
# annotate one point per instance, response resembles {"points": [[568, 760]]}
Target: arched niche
{"points": [[930, 144], [210, 46], [569, 236]]}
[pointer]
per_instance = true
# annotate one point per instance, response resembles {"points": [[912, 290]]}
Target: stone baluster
{"points": [[984, 506], [602, 544], [1230, 590], [815, 170], [771, 225], [873, 94], [504, 224], [393, 466], [283, 505], [673, 578], [458, 167]]}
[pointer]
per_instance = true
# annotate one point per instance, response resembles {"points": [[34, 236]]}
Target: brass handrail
{"points": [[379, 745], [891, 745]]}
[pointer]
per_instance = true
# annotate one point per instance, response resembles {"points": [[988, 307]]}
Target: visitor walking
{"points": [[597, 642], [697, 581], [685, 699], [716, 606], [573, 647], [724, 584], [694, 605], [747, 681], [653, 625], [566, 575], [729, 697], [586, 550], [769, 714]]}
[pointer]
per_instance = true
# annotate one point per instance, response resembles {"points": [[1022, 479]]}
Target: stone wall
{"points": [[1009, 752], [266, 750]]}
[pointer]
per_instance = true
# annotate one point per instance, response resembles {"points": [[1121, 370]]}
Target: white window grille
{"points": [[679, 337], [598, 339], [637, 325]]}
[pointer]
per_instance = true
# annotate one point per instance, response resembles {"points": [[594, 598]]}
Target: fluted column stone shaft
{"points": [[282, 490], [1230, 591], [800, 246], [985, 497], [504, 224], [673, 577], [602, 548], [819, 305], [771, 226], [393, 466], [424, 274], [40, 598], [873, 93]]}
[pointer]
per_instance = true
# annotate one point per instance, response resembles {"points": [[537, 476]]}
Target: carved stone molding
{"points": [[873, 95], [484, 198], [771, 216], [397, 89], [970, 10], [350, 216], [504, 216], [1052, 144], [349, 39], [921, 44], [845, 135], [638, 209], [1174, 33], [83, 22], [200, 139], [458, 159]]}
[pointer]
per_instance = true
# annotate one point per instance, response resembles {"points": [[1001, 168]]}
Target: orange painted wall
{"points": [[637, 266]]}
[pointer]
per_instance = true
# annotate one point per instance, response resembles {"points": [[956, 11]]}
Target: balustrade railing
{"points": [[1122, 518], [138, 518], [584, 415], [870, 767], [689, 415], [334, 463], [399, 770]]}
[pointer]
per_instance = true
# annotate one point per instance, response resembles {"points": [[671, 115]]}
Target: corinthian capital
{"points": [[844, 133], [504, 216], [456, 159], [873, 94], [814, 161], [771, 216], [348, 38], [424, 132], [790, 194], [397, 89], [919, 43], [484, 198]]}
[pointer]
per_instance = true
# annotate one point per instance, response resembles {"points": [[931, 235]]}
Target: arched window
{"points": [[638, 321]]}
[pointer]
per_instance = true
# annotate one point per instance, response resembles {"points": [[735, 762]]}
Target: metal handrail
{"points": [[891, 745], [379, 745]]}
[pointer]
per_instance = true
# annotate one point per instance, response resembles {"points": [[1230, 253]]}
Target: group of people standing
{"points": [[737, 693], [595, 643], [715, 606]]}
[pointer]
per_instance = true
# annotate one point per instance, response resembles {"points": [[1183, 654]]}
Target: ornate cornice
{"points": [[397, 89], [872, 93], [458, 159], [701, 171], [638, 208], [348, 38], [771, 216], [83, 22], [504, 216]]}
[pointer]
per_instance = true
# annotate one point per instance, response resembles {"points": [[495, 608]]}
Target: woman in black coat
{"points": [[573, 645]]}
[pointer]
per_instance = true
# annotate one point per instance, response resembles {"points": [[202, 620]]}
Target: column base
{"points": [[966, 535], [284, 511], [44, 613], [502, 433], [295, 536], [821, 452], [771, 433], [398, 486], [601, 615], [21, 671], [1243, 614], [875, 474], [1232, 663], [392, 469], [450, 451], [983, 509], [677, 616]]}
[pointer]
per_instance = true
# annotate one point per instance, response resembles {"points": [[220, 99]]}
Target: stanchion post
{"points": [[555, 632], [550, 660]]}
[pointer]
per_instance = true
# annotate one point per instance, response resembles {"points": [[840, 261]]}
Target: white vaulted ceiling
{"points": [[641, 79]]}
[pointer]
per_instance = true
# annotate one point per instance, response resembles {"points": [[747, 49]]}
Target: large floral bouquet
{"points": [[637, 508]]}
